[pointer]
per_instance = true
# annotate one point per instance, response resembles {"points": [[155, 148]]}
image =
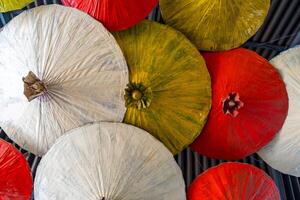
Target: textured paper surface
{"points": [[9, 5], [215, 24], [108, 161], [265, 105], [79, 62], [233, 181], [115, 14], [15, 175], [283, 153], [178, 78]]}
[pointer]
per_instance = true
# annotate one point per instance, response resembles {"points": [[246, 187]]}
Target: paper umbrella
{"points": [[108, 161], [283, 152], [215, 25], [233, 181], [70, 70], [169, 93], [15, 175], [249, 105], [10, 5], [117, 14]]}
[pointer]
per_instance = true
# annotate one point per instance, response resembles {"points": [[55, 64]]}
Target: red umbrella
{"points": [[15, 176], [249, 105], [233, 181], [117, 14]]}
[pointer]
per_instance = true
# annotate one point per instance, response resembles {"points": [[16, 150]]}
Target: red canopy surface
{"points": [[249, 105], [233, 181], [15, 175], [115, 14]]}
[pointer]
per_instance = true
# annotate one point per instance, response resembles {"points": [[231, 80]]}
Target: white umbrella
{"points": [[283, 153], [70, 69], [108, 161]]}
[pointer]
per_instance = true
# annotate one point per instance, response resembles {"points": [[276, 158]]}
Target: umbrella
{"points": [[15, 176], [215, 25], [70, 70], [108, 161], [249, 105], [169, 93], [283, 152], [233, 181], [117, 14], [9, 5]]}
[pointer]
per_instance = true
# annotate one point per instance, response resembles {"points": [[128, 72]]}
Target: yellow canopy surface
{"points": [[169, 94], [215, 24], [9, 5]]}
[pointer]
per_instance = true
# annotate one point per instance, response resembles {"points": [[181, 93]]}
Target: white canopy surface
{"points": [[78, 75], [108, 161], [283, 153]]}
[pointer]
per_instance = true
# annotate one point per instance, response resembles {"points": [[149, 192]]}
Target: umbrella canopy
{"points": [[233, 181], [104, 161], [117, 14], [215, 25], [249, 105], [9, 5], [169, 93], [70, 70], [15, 176], [283, 152]]}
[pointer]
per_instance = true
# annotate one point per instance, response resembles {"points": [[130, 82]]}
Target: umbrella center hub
{"points": [[33, 86], [138, 96], [232, 104]]}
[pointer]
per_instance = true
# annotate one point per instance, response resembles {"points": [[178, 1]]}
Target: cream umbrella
{"points": [[70, 70], [284, 150], [108, 161]]}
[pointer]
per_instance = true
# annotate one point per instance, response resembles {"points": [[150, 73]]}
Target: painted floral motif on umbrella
{"points": [[169, 94], [249, 105]]}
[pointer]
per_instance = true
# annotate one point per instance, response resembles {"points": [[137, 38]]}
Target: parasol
{"points": [[106, 161], [15, 175], [9, 5], [169, 93], [215, 25], [233, 181], [70, 70], [283, 152], [249, 105], [117, 14]]}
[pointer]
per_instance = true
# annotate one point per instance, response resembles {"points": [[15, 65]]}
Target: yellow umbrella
{"points": [[169, 94], [9, 5], [215, 24]]}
